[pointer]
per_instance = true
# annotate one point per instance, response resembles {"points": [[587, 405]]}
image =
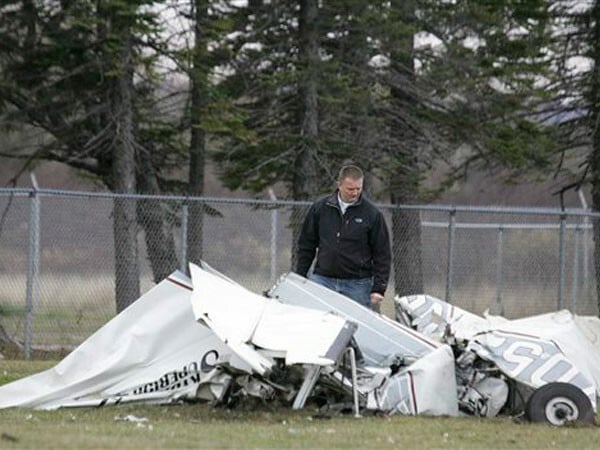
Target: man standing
{"points": [[349, 236]]}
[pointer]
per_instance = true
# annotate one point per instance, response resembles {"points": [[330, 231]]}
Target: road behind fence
{"points": [[57, 265]]}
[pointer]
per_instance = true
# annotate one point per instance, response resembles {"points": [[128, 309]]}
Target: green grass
{"points": [[202, 426]]}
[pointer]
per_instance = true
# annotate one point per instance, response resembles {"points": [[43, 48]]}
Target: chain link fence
{"points": [[57, 258]]}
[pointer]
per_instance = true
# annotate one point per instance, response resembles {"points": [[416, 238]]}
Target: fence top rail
{"points": [[451, 209], [519, 210], [507, 226], [30, 192]]}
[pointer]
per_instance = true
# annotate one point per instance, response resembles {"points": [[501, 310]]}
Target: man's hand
{"points": [[376, 299]]}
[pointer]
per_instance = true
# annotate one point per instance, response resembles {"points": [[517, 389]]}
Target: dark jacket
{"points": [[355, 245]]}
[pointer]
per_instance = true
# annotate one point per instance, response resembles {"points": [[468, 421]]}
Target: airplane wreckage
{"points": [[209, 339]]}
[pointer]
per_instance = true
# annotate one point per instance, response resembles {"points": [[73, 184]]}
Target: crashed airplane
{"points": [[208, 338], [546, 367]]}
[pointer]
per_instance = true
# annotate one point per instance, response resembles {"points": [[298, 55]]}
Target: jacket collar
{"points": [[332, 200]]}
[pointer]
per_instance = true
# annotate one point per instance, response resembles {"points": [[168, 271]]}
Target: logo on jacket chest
{"points": [[356, 223]]}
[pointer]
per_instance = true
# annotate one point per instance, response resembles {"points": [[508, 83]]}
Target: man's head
{"points": [[350, 183]]}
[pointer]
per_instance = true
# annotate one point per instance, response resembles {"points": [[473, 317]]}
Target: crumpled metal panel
{"points": [[378, 337], [424, 384], [534, 351]]}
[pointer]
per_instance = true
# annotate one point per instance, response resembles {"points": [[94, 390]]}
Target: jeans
{"points": [[358, 289]]}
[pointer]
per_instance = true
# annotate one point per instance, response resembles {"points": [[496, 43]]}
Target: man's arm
{"points": [[382, 257], [307, 242]]}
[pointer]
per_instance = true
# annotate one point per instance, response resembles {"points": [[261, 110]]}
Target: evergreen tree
{"points": [[68, 71]]}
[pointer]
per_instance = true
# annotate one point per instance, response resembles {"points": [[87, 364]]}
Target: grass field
{"points": [[203, 426]]}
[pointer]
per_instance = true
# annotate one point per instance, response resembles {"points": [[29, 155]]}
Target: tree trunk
{"points": [[199, 80], [152, 217], [405, 181], [127, 284], [305, 181], [406, 232]]}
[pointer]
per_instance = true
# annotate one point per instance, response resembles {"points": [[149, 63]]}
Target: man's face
{"points": [[350, 189]]}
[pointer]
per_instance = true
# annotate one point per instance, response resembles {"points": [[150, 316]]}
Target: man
{"points": [[349, 236]]}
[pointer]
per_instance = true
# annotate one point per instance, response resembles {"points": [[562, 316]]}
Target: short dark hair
{"points": [[350, 171]]}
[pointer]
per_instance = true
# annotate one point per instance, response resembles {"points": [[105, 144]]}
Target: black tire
{"points": [[559, 403]]}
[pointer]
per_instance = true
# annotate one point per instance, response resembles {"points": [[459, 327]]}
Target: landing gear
{"points": [[559, 403]]}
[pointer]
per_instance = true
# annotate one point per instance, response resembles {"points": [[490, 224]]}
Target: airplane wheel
{"points": [[559, 403]]}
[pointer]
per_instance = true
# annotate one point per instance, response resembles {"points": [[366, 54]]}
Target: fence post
{"points": [[449, 263], [576, 245], [184, 236], [561, 262], [33, 263], [586, 225], [499, 254], [273, 239]]}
